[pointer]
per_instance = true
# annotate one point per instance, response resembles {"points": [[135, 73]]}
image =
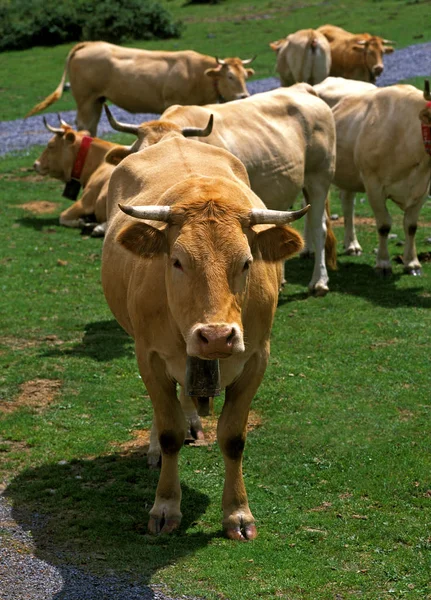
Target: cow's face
{"points": [[58, 158], [373, 50], [209, 249], [229, 78]]}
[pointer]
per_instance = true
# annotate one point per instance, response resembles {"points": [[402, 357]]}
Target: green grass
{"points": [[231, 28], [338, 472]]}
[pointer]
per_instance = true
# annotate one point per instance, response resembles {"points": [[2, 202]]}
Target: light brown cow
{"points": [[380, 151], [302, 56], [355, 55], [197, 277], [63, 158], [145, 80], [286, 140]]}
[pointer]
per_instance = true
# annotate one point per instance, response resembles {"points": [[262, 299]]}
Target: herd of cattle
{"points": [[209, 186]]}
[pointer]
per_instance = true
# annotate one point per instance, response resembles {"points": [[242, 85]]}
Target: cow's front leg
{"points": [[165, 515], [238, 521], [351, 244], [315, 193], [412, 266]]}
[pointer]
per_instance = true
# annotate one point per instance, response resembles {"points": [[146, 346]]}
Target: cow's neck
{"points": [[92, 156]]}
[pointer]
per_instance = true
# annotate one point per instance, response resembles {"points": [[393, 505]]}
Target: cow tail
{"points": [[331, 240], [57, 93]]}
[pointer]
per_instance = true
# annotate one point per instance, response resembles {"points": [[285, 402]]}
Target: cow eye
{"points": [[247, 264], [177, 264]]}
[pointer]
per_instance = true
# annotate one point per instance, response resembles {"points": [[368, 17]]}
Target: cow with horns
{"points": [[355, 55], [191, 267], [145, 81]]}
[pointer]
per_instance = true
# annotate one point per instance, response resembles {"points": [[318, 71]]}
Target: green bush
{"points": [[27, 23]]}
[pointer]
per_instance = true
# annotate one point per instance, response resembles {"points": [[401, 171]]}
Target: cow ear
{"points": [[116, 155], [387, 49], [278, 243], [250, 72], [143, 240], [213, 72], [70, 137]]}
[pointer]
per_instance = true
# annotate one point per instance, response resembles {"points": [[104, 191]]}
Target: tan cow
{"points": [[355, 55], [145, 80], [302, 56], [198, 277], [286, 140], [380, 151], [74, 153]]}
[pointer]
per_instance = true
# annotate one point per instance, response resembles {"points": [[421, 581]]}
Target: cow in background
{"points": [[145, 80], [355, 55], [197, 275], [381, 151], [286, 140], [302, 56]]}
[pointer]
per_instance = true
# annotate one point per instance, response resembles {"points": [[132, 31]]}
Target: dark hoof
{"points": [[414, 272], [384, 273]]}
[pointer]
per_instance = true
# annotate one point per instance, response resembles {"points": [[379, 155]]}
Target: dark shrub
{"points": [[27, 23]]}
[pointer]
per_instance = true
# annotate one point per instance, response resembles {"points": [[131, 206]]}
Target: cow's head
{"points": [[59, 156], [373, 48], [209, 244], [229, 78], [149, 133]]}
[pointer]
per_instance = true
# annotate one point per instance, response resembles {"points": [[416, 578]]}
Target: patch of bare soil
{"points": [[21, 344], [368, 221], [40, 207], [36, 394], [141, 437]]}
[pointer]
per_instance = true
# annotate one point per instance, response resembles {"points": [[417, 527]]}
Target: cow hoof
{"points": [[415, 271], [97, 232], [249, 533], [319, 291], [384, 272], [160, 525], [354, 251]]}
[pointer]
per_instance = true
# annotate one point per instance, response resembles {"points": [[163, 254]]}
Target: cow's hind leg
{"points": [[88, 115], [238, 522], [377, 201], [315, 194], [165, 515], [412, 266], [351, 244]]}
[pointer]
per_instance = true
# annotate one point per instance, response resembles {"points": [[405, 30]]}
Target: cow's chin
{"points": [[215, 356]]}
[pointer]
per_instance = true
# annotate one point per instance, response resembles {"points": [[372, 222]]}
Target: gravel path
{"points": [[23, 575], [413, 61]]}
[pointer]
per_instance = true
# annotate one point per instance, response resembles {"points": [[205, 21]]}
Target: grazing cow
{"points": [[286, 140], [145, 80], [75, 155], [381, 151], [197, 277], [355, 55], [303, 56]]}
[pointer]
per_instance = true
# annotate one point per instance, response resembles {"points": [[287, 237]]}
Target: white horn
{"points": [[151, 213], [247, 61], [260, 216], [125, 127], [219, 61], [56, 130]]}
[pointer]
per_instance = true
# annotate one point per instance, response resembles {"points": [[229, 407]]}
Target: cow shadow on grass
{"points": [[47, 224], [88, 524], [359, 279], [102, 341]]}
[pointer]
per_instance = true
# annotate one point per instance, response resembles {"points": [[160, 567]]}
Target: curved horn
{"points": [[388, 42], [152, 213], [197, 131], [57, 130], [247, 61], [427, 94], [62, 122], [361, 42], [219, 61], [124, 127], [260, 216]]}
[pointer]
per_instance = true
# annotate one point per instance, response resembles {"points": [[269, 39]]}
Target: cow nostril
{"points": [[203, 338], [230, 337]]}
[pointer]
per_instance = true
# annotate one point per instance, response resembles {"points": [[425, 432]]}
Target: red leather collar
{"points": [[81, 156]]}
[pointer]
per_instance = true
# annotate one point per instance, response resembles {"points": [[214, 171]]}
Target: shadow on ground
{"points": [[356, 278], [90, 517], [102, 341]]}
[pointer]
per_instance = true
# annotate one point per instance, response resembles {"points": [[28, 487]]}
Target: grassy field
{"points": [[231, 28], [337, 462]]}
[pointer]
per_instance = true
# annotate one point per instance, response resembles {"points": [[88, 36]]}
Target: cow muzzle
{"points": [[219, 340], [377, 70]]}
